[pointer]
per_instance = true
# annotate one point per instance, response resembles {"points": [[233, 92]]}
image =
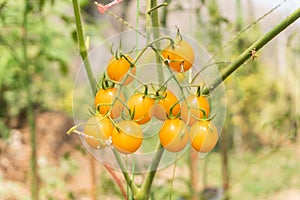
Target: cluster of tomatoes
{"points": [[118, 120]]}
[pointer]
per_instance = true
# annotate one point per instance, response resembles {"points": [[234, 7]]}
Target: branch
{"points": [[144, 192], [30, 110], [248, 52], [84, 56], [82, 48]]}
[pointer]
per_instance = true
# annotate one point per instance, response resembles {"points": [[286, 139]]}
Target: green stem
{"points": [[150, 44], [153, 27], [156, 7], [144, 192], [84, 56], [165, 14], [82, 47], [129, 181], [30, 112], [255, 46]]}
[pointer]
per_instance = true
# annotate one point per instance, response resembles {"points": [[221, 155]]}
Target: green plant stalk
{"points": [[130, 182], [248, 52], [30, 112], [82, 47], [83, 54], [144, 191], [153, 27]]}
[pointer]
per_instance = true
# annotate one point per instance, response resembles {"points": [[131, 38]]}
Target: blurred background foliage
{"points": [[261, 131]]}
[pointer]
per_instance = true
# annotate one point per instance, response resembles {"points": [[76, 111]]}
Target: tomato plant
{"points": [[118, 68], [99, 128], [181, 56], [140, 105], [127, 136], [164, 105], [105, 98], [173, 135], [197, 107], [203, 136]]}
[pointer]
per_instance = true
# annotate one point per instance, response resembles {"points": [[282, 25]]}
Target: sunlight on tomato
{"points": [[104, 97], [128, 138], [196, 104], [141, 106], [117, 69], [173, 135], [203, 136], [181, 56], [100, 129]]}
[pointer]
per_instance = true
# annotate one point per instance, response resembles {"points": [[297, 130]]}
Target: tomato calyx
{"points": [[200, 92], [106, 83], [161, 93], [147, 94], [178, 36], [170, 114], [119, 54]]}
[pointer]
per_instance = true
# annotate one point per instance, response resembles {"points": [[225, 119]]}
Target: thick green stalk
{"points": [[130, 182], [82, 47], [30, 112], [253, 48], [153, 28], [144, 191], [83, 54]]}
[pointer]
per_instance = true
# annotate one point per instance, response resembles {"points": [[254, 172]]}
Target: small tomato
{"points": [[99, 129], [198, 105], [181, 56], [141, 105], [173, 135], [128, 137], [203, 136], [104, 97], [118, 68]]}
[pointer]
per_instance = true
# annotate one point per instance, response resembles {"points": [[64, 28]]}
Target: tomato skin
{"points": [[203, 136], [194, 102], [182, 52], [130, 137], [173, 135], [100, 128], [141, 105], [117, 69], [164, 105], [107, 97]]}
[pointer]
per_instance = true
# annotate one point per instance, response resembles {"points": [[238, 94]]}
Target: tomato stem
{"points": [[82, 46]]}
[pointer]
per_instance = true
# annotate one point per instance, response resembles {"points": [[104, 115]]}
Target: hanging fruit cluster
{"points": [[185, 118]]}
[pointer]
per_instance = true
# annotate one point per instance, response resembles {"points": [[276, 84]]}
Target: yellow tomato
{"points": [[97, 129], [128, 137], [203, 136], [173, 135]]}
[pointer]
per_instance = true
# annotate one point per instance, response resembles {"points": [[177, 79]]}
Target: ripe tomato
{"points": [[173, 135], [100, 129], [128, 138], [181, 56], [164, 105], [117, 69], [104, 97], [141, 105], [203, 136], [196, 103]]}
